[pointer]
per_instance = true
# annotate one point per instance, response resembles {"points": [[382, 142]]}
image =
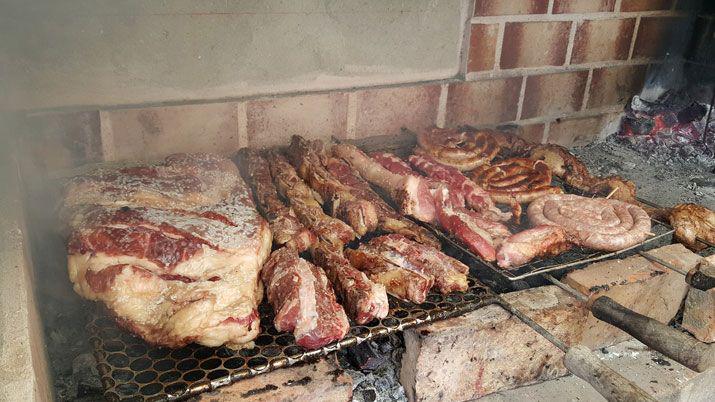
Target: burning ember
{"points": [[674, 122]]}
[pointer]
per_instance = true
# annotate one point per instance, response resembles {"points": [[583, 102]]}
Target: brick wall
{"points": [[578, 62], [562, 69]]}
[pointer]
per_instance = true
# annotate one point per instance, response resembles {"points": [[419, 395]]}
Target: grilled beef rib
{"points": [[303, 301], [328, 229], [410, 193], [285, 226], [363, 299], [306, 157]]}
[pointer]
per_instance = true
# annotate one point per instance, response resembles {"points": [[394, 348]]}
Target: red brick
{"points": [[533, 44], [386, 111], [615, 85], [653, 34], [150, 133], [483, 102], [490, 350], [598, 40], [578, 131], [553, 94], [482, 45], [273, 121], [510, 7], [532, 132], [582, 6], [645, 5]]}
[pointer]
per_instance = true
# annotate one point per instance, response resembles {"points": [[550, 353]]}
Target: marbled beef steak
{"points": [[173, 249]]}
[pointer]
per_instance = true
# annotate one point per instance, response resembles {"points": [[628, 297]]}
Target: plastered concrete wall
{"points": [[106, 52]]}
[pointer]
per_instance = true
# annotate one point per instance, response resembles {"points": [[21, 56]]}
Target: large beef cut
{"points": [[303, 300], [173, 249]]}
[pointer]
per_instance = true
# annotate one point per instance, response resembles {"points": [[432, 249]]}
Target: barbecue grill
{"points": [[89, 84], [132, 369]]}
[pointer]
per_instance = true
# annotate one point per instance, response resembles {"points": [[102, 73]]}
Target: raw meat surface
{"points": [[185, 270]]}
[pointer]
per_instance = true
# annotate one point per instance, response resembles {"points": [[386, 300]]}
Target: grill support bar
{"points": [[696, 279], [581, 362]]}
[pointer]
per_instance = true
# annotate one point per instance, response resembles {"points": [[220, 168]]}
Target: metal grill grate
{"points": [[133, 370]]}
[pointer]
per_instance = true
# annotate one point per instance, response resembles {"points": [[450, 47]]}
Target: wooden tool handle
{"points": [[666, 340], [613, 386]]}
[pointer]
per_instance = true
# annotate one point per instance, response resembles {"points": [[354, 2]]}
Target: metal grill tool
{"points": [[580, 361]]}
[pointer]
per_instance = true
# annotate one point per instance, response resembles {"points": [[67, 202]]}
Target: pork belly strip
{"points": [[402, 283], [394, 164], [363, 299], [331, 230], [450, 275], [388, 219], [465, 225], [466, 228], [303, 300], [540, 241], [359, 213], [285, 226], [476, 197], [410, 193]]}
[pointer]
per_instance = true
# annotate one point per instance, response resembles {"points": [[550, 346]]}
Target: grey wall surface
{"points": [[105, 52]]}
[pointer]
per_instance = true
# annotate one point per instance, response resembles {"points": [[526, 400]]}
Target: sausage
{"points": [[596, 223], [462, 149], [520, 180]]}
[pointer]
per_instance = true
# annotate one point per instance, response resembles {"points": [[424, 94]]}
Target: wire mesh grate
{"points": [[131, 369]]}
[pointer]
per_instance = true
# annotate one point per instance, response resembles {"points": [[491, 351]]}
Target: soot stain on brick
{"points": [[660, 361], [303, 381], [598, 288], [258, 391]]}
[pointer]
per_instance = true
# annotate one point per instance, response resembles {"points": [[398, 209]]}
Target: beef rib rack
{"points": [[173, 249]]}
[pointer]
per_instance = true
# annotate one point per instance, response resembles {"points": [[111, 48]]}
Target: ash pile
{"points": [[674, 124]]}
